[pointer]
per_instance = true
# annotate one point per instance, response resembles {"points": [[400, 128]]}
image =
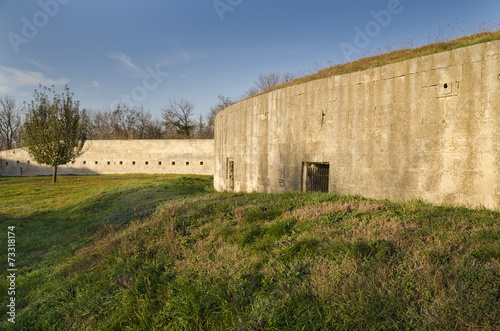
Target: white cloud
{"points": [[90, 87], [126, 64], [178, 54], [40, 65], [12, 79]]}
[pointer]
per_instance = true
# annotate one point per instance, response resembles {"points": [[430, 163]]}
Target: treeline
{"points": [[176, 120]]}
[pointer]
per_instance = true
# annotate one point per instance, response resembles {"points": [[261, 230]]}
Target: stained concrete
{"points": [[423, 128], [191, 156]]}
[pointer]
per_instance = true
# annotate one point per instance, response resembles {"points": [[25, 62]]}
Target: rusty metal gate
{"points": [[316, 177]]}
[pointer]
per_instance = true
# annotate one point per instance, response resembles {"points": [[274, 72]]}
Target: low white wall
{"points": [[190, 156]]}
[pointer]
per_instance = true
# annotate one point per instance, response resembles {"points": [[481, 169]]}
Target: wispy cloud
{"points": [[12, 78], [42, 66], [178, 54], [126, 64], [90, 87]]}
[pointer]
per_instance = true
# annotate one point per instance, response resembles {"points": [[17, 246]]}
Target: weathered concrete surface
{"points": [[190, 156], [423, 128]]}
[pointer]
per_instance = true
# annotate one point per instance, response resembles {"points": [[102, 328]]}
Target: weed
{"points": [[165, 252], [401, 52], [259, 214]]}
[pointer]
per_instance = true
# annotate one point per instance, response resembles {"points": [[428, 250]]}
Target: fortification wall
{"points": [[190, 156], [423, 128]]}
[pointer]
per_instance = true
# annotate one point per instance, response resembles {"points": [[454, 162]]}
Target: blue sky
{"points": [[145, 52]]}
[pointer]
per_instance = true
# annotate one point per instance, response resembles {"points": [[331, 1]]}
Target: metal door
{"points": [[316, 177]]}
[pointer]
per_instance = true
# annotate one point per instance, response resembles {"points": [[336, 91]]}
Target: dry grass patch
{"points": [[325, 278], [316, 212], [241, 212], [387, 229], [224, 262]]}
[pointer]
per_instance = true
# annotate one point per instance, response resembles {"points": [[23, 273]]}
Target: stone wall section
{"points": [[422, 128], [190, 156]]}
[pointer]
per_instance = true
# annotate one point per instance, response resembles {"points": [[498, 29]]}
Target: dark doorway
{"points": [[315, 177], [230, 174]]}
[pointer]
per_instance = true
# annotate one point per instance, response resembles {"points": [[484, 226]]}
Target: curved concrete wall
{"points": [[423, 128], [190, 156]]}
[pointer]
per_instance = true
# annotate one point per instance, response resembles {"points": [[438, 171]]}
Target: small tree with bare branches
{"points": [[10, 123], [178, 114], [266, 82]]}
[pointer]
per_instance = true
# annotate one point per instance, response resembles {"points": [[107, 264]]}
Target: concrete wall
{"points": [[122, 157], [423, 128]]}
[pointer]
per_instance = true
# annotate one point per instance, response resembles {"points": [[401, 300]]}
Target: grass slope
{"points": [[394, 57], [190, 259]]}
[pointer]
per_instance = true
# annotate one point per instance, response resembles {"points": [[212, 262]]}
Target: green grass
{"points": [[394, 56], [166, 252]]}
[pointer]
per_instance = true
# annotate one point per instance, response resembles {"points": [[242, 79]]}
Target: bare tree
{"points": [[10, 123], [200, 129], [144, 120], [155, 129], [252, 91], [287, 77], [124, 122], [170, 130], [223, 103], [178, 114], [98, 125], [268, 81]]}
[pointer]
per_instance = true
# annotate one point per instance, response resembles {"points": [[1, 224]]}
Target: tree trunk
{"points": [[54, 178]]}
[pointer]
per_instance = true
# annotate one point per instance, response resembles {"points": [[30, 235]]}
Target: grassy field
{"points": [[167, 252]]}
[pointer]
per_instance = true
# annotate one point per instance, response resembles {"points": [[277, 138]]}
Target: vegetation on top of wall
{"points": [[379, 60], [168, 253]]}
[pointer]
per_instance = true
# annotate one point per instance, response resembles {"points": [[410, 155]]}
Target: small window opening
{"points": [[96, 162], [84, 162], [159, 163], [445, 86], [147, 163], [187, 163], [109, 162], [173, 162], [121, 162], [201, 163], [133, 162]]}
